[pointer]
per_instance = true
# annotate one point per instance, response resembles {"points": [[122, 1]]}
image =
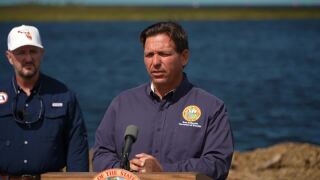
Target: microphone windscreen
{"points": [[132, 131]]}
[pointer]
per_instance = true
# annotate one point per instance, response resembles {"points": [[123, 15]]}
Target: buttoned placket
{"points": [[159, 130], [159, 121], [25, 100], [25, 144]]}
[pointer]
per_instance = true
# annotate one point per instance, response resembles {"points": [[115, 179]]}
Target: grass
{"points": [[87, 13]]}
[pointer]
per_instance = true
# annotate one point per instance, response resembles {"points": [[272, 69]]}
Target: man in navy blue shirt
{"points": [[41, 124], [181, 127]]}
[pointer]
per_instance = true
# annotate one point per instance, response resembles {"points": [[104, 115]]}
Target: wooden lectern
{"points": [[142, 176]]}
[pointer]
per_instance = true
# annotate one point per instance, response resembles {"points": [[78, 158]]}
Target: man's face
{"points": [[26, 60], [163, 63]]}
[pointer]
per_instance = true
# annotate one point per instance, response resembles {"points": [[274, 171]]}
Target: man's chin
{"points": [[28, 74], [159, 81]]}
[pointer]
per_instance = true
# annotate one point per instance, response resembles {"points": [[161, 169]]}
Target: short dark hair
{"points": [[172, 29]]}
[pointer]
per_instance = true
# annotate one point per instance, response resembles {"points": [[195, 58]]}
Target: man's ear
{"points": [[185, 57], [9, 56]]}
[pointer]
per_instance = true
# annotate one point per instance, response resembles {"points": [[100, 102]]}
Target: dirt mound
{"points": [[281, 161]]}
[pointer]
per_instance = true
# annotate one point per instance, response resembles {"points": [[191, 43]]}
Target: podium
{"points": [[142, 176]]}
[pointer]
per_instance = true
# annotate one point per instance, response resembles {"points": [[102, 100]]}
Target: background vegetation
{"points": [[78, 13]]}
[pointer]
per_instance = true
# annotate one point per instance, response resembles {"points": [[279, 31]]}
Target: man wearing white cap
{"points": [[41, 123]]}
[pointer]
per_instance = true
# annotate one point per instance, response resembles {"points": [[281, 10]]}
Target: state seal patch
{"points": [[3, 97], [191, 115]]}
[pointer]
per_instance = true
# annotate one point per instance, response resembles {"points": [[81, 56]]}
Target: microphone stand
{"points": [[130, 137], [124, 164]]}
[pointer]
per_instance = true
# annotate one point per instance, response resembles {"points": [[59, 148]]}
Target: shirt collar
{"points": [[166, 96], [18, 89], [174, 94]]}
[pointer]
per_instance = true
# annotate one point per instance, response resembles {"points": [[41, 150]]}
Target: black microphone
{"points": [[130, 136]]}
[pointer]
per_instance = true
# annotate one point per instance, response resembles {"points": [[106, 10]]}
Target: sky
{"points": [[168, 2]]}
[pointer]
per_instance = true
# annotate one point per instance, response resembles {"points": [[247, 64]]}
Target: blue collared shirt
{"points": [[56, 136], [188, 130]]}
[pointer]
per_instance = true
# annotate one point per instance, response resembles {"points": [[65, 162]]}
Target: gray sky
{"points": [[169, 2]]}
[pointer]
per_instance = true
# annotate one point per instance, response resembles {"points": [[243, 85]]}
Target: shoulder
{"points": [[52, 83], [53, 87], [203, 94], [132, 94], [5, 82], [6, 93], [205, 98]]}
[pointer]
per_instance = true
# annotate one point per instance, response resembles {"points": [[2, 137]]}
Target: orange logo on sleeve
{"points": [[3, 97]]}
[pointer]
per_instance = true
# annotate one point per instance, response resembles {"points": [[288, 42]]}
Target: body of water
{"points": [[267, 72]]}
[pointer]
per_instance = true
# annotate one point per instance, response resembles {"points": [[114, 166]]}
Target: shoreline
{"points": [[138, 13]]}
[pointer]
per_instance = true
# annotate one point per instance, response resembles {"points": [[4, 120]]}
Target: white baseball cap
{"points": [[24, 35]]}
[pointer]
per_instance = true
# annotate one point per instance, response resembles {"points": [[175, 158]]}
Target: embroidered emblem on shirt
{"points": [[3, 97], [57, 104], [115, 174], [191, 114]]}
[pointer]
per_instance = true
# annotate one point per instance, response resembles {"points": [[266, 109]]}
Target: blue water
{"points": [[267, 72]]}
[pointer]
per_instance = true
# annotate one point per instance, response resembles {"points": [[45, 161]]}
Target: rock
{"points": [[272, 163], [281, 161]]}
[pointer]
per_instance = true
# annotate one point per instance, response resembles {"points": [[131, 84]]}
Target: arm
{"points": [[105, 154], [216, 156], [77, 144]]}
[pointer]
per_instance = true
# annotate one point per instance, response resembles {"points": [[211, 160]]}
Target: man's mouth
{"points": [[157, 73], [28, 65]]}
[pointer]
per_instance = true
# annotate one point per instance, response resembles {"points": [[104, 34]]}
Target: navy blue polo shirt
{"points": [[43, 132], [188, 130]]}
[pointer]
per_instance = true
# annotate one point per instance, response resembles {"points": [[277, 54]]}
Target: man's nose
{"points": [[28, 57], [156, 60]]}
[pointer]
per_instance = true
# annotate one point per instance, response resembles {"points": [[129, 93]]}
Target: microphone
{"points": [[130, 136]]}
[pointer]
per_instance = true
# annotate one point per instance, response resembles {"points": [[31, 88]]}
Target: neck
{"points": [[27, 84], [162, 90]]}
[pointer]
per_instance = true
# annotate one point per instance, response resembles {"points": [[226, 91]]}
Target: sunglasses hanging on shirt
{"points": [[20, 115]]}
